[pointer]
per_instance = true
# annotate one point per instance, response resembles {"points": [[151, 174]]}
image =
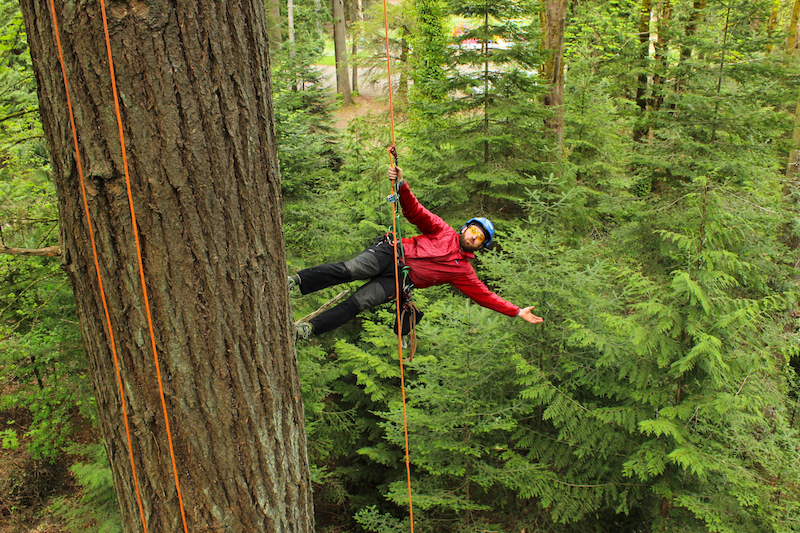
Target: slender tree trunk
{"points": [[290, 23], [292, 49], [794, 28], [274, 23], [340, 51], [318, 9], [195, 102], [793, 167], [355, 17], [721, 75], [691, 26], [662, 54], [403, 81], [773, 22], [645, 14], [555, 16]]}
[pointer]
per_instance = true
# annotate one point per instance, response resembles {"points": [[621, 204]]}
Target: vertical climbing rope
{"points": [[112, 342], [141, 266], [396, 269]]}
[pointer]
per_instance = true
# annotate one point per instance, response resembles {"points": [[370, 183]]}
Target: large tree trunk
{"points": [[340, 51], [554, 25], [196, 110]]}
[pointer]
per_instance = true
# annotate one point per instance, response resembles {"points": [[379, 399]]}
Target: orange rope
{"points": [[396, 271], [97, 265], [141, 266]]}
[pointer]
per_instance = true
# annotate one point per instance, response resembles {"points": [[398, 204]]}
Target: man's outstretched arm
{"points": [[416, 213]]}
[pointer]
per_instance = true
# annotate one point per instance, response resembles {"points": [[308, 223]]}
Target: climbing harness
{"points": [[409, 314], [139, 258]]}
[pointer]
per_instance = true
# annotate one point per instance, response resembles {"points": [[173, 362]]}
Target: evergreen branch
{"points": [[572, 400], [26, 139], [770, 211], [330, 303], [564, 483], [566, 443], [40, 306], [49, 251], [23, 220], [18, 114]]}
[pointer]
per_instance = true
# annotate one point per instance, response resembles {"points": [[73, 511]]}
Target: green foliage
{"points": [[96, 510], [9, 439], [303, 125], [41, 355], [429, 43]]}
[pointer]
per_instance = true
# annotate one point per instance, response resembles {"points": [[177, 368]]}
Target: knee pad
{"points": [[363, 266], [374, 293]]}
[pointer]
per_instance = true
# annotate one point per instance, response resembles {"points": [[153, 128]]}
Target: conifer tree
{"points": [[430, 44], [489, 134]]}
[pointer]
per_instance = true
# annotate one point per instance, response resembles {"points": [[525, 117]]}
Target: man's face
{"points": [[471, 238]]}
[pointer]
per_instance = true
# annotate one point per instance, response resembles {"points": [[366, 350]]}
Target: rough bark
{"points": [[290, 25], [195, 96], [340, 51], [555, 16]]}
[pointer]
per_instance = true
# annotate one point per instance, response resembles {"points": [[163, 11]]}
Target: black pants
{"points": [[375, 263]]}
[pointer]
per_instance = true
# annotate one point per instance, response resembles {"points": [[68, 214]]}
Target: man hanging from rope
{"points": [[439, 255]]}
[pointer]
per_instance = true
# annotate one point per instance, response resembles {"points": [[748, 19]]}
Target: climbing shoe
{"points": [[303, 330]]}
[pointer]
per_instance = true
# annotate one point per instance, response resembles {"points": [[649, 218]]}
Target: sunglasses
{"points": [[477, 233]]}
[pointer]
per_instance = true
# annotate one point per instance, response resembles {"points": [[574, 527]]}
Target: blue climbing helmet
{"points": [[487, 227]]}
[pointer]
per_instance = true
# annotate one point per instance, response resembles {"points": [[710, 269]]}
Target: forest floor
{"points": [[363, 105], [28, 487]]}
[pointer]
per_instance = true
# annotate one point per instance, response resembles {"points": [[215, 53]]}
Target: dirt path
{"points": [[371, 99]]}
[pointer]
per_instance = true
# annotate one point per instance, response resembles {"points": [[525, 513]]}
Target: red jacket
{"points": [[436, 257]]}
